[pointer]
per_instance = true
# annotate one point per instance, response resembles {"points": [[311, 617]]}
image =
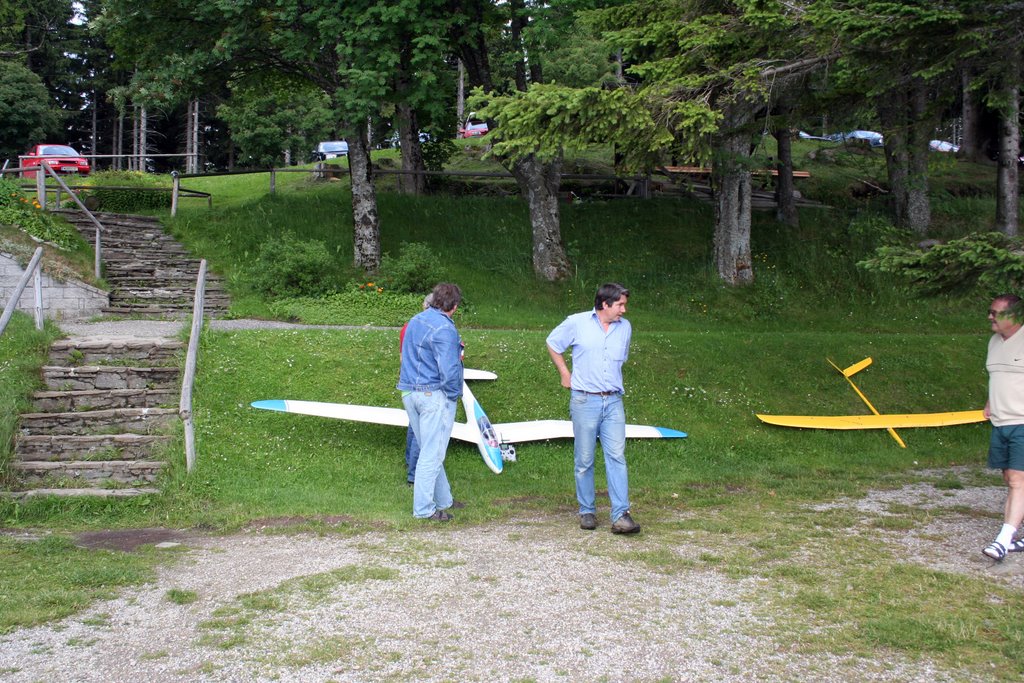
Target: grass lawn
{"points": [[704, 359]]}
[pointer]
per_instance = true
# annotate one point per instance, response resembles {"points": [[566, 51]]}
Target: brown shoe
{"points": [[440, 516], [625, 525]]}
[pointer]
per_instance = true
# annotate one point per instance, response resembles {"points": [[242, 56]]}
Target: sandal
{"points": [[1017, 546], [994, 551]]}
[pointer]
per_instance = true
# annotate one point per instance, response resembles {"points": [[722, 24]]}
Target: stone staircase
{"points": [[99, 427], [102, 425], [150, 274]]}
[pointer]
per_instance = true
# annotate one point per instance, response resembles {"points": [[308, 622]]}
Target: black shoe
{"points": [[588, 521], [440, 516], [457, 505], [625, 525]]}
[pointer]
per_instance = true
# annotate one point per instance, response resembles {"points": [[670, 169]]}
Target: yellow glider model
{"points": [[876, 420]]}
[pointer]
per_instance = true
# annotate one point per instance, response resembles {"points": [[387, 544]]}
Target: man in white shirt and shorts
{"points": [[1005, 410]]}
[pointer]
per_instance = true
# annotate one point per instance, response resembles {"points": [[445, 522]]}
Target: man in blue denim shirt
{"points": [[430, 380], [599, 340]]}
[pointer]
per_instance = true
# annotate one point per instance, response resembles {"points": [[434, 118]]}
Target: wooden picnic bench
{"points": [[701, 170]]}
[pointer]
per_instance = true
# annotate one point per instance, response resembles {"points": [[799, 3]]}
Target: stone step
{"points": [[120, 251], [145, 293], [184, 281], [91, 471], [103, 399], [91, 350], [67, 378], [130, 492], [147, 312], [154, 265], [68, 447], [171, 307], [133, 420], [171, 269], [76, 214], [168, 305], [122, 231]]}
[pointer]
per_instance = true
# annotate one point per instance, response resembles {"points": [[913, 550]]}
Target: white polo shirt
{"points": [[1005, 365]]}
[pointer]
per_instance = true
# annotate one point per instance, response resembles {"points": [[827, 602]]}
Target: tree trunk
{"points": [[516, 25], [135, 139], [365, 222], [892, 109], [413, 181], [1007, 173], [188, 136], [194, 132], [460, 96], [143, 139], [907, 127], [972, 142], [785, 202], [732, 210], [539, 184], [919, 212], [94, 134]]}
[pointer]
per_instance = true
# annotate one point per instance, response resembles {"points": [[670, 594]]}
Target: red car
{"points": [[61, 158], [474, 128]]}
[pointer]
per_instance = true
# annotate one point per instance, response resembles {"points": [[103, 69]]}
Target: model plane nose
{"points": [[270, 405]]}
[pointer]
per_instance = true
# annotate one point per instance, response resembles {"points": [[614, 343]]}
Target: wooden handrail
{"points": [[99, 226], [191, 359], [32, 270]]}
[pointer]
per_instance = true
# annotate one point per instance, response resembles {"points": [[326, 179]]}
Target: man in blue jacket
{"points": [[430, 380]]}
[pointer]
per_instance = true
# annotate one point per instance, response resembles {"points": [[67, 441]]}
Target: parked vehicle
{"points": [[330, 149], [474, 128], [61, 158]]}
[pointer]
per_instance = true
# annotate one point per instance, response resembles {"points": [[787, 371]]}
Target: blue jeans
{"points": [[592, 417], [412, 454], [431, 417]]}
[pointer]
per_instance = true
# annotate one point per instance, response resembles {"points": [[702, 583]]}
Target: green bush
{"points": [[359, 305], [24, 213], [11, 194], [437, 152], [415, 269], [291, 267], [128, 191]]}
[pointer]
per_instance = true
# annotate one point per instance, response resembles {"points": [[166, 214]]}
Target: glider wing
{"points": [[875, 421]]}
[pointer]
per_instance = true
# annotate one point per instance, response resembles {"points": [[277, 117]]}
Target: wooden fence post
{"points": [[175, 187], [41, 185], [37, 282]]}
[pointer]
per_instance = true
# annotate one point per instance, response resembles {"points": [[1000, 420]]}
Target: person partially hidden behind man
{"points": [[412, 448], [599, 339], [430, 380], [1005, 409]]}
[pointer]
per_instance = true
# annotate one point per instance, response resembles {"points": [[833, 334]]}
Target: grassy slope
{"points": [[705, 358]]}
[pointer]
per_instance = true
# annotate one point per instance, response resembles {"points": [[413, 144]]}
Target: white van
{"points": [[330, 150]]}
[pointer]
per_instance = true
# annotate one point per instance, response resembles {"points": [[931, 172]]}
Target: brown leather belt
{"points": [[601, 393]]}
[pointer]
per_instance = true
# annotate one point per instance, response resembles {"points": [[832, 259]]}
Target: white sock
{"points": [[1006, 535]]}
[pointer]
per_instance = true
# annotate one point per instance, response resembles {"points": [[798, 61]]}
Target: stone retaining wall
{"points": [[71, 300]]}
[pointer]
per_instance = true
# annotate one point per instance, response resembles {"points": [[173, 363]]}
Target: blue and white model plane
{"points": [[495, 441]]}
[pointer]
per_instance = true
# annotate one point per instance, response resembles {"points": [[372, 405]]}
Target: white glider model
{"points": [[493, 440]]}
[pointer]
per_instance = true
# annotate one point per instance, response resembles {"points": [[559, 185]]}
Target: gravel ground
{"points": [[531, 599]]}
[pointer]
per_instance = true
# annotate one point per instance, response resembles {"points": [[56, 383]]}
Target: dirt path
{"points": [[531, 599]]}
